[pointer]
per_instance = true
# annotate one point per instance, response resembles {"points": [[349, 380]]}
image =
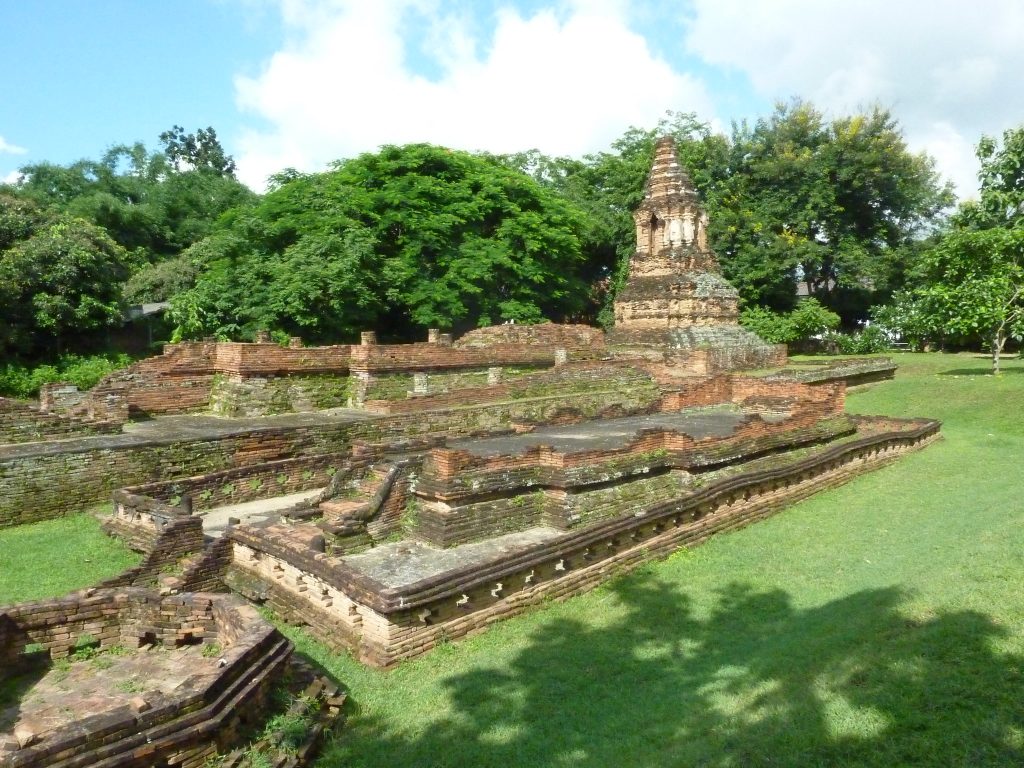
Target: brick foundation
{"points": [[346, 609], [185, 729]]}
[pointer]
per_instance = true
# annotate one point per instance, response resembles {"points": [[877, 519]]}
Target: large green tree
{"points": [[153, 203], [838, 204], [971, 284], [60, 276], [399, 240]]}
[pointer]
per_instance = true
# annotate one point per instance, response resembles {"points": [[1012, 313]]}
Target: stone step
{"points": [[342, 507]]}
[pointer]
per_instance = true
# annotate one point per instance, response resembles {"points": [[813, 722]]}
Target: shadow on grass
{"points": [[1003, 369], [754, 680]]}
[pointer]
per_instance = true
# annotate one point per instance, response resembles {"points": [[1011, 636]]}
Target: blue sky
{"points": [[302, 82]]}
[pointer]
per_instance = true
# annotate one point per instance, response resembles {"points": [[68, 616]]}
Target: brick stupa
{"points": [[676, 297]]}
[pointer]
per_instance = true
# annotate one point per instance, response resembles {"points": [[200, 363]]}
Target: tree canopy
{"points": [[59, 275], [839, 204], [156, 203], [971, 284], [398, 240], [418, 236]]}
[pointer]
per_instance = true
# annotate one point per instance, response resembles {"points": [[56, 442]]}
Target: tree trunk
{"points": [[997, 348]]}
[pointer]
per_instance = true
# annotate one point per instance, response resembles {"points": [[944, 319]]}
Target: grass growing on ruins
{"points": [[878, 624], [56, 556]]}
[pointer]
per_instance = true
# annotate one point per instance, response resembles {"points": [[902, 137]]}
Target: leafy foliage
{"points": [[24, 381], [405, 238], [971, 284], [139, 198], [161, 281], [197, 151], [868, 341], [833, 204], [974, 285], [809, 320], [63, 278]]}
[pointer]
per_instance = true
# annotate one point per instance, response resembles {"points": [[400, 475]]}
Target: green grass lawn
{"points": [[878, 624], [56, 556]]}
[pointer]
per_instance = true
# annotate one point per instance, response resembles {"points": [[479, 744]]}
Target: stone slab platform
{"points": [[607, 434], [401, 563]]}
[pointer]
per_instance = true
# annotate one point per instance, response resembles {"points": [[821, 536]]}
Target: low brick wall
{"points": [[187, 728], [23, 422], [583, 378], [233, 486], [53, 480], [539, 334], [185, 377]]}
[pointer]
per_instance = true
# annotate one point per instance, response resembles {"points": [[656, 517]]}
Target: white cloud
{"points": [[11, 178], [11, 149], [565, 82], [949, 71]]}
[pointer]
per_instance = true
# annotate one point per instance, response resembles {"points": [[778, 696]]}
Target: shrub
{"points": [[872, 339], [809, 320], [772, 327], [19, 380]]}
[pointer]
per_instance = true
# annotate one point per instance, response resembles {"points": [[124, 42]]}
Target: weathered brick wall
{"points": [[381, 358], [22, 422], [53, 480], [266, 395], [176, 382], [236, 485], [448, 527], [176, 538], [239, 359], [47, 483], [540, 334], [346, 609], [572, 378], [184, 377], [828, 397], [570, 570]]}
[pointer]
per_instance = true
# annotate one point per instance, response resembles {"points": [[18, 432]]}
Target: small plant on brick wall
{"points": [[211, 650]]}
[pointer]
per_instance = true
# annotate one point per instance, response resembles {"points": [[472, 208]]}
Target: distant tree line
{"points": [[419, 235]]}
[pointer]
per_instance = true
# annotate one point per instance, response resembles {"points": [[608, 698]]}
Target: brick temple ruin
{"points": [[391, 497]]}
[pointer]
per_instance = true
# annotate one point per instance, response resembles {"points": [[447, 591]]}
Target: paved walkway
{"points": [[215, 520]]}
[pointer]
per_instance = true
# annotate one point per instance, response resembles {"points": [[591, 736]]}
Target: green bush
{"points": [[19, 380], [772, 327], [872, 339], [808, 320]]}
